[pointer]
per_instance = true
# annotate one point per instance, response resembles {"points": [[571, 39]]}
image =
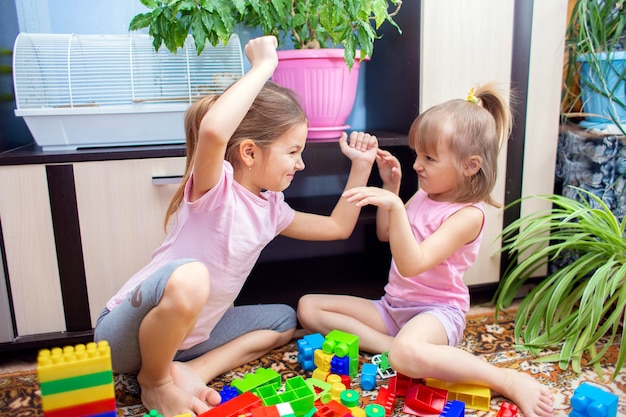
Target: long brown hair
{"points": [[468, 128], [275, 111]]}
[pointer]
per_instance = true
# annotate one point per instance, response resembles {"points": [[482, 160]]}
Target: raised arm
{"points": [[391, 174], [222, 119], [361, 149]]}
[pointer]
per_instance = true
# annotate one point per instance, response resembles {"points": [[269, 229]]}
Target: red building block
{"points": [[241, 404], [507, 410], [421, 399], [387, 398], [333, 409]]}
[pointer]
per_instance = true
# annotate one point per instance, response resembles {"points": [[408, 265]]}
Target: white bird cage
{"points": [[77, 91]]}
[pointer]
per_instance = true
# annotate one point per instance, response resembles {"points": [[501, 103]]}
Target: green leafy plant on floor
{"points": [[580, 306], [351, 24]]}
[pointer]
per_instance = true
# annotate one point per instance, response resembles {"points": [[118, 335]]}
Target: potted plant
{"points": [[582, 302], [338, 35], [595, 63]]}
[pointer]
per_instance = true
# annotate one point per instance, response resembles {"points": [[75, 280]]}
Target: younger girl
{"points": [[434, 239], [174, 322]]}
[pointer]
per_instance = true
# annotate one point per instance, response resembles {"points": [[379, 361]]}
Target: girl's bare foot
{"points": [[187, 380], [169, 400], [532, 398]]}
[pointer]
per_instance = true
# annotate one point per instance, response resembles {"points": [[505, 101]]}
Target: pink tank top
{"points": [[443, 283]]}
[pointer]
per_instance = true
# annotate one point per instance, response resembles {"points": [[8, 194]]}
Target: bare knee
{"points": [[307, 310], [188, 288], [409, 358]]}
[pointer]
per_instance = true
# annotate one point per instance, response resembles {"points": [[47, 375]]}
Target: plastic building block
{"points": [[384, 368], [591, 401], [319, 387], [368, 376], [349, 398], [421, 399], [387, 399], [341, 344], [285, 410], [270, 411], [340, 366], [453, 409], [76, 380], [306, 347], [153, 413], [336, 389], [333, 409], [228, 393], [403, 383], [474, 396], [375, 410], [322, 360], [297, 393], [320, 374], [262, 376], [183, 415], [239, 405], [507, 410]]}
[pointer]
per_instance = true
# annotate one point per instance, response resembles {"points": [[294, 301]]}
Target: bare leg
{"points": [[161, 332], [420, 350], [323, 313], [237, 352]]}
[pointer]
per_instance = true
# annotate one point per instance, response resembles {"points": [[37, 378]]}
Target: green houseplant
{"points": [[595, 62], [579, 304], [351, 24], [336, 34]]}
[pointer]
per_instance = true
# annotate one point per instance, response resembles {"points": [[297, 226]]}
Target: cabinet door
{"points": [[121, 211], [31, 257]]}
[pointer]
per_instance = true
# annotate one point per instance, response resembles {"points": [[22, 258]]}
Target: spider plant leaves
{"points": [[580, 306]]}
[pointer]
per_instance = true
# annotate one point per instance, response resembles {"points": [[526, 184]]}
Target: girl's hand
{"points": [[389, 169], [362, 196], [262, 50], [362, 146]]}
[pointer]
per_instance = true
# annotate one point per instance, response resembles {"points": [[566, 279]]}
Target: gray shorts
{"points": [[120, 326], [397, 312]]}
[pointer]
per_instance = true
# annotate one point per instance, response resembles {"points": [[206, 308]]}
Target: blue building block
{"points": [[228, 393], [591, 401], [306, 348], [340, 366], [368, 376], [453, 409]]}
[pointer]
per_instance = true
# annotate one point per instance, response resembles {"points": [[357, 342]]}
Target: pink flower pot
{"points": [[324, 84]]}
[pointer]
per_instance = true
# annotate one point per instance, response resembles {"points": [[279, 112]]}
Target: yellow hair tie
{"points": [[471, 97]]}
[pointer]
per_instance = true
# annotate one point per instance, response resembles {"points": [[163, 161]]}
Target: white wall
{"points": [[77, 16]]}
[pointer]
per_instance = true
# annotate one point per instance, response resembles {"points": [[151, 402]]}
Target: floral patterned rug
{"points": [[20, 397]]}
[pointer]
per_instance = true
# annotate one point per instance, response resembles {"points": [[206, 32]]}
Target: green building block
{"points": [[262, 377]]}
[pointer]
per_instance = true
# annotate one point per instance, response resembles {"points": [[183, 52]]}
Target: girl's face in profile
{"points": [[283, 159], [437, 172]]}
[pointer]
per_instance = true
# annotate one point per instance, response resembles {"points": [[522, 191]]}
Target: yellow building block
{"points": [[76, 397], [322, 359], [72, 361], [475, 397], [320, 374]]}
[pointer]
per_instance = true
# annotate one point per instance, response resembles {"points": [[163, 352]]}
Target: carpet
{"points": [[492, 341]]}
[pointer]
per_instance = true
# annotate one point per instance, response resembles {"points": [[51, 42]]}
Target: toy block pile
{"points": [[77, 381]]}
